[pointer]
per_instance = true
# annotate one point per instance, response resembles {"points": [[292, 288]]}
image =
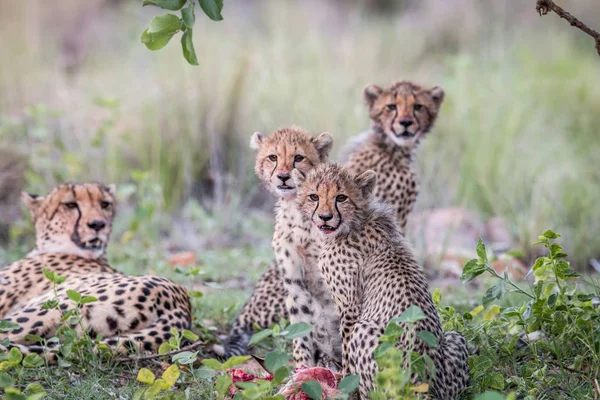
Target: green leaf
{"points": [[138, 394], [410, 315], [172, 5], [6, 326], [171, 375], [495, 380], [382, 349], [222, 384], [490, 396], [189, 335], [235, 360], [33, 361], [428, 338], [6, 380], [436, 296], [295, 331], [494, 293], [394, 330], [313, 390], [281, 374], [165, 23], [158, 386], [185, 358], [204, 373], [550, 234], [471, 270], [481, 253], [156, 41], [213, 364], [187, 45], [260, 336], [552, 300], [88, 299], [188, 16], [212, 8], [146, 376], [34, 389], [13, 394], [74, 296], [275, 360], [349, 384], [15, 355]]}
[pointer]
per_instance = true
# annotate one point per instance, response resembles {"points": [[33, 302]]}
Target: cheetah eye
{"points": [[272, 157], [105, 204], [418, 106], [341, 198], [298, 158], [314, 197], [70, 205], [391, 107]]}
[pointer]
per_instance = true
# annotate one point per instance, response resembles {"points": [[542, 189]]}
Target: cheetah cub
{"points": [[373, 276], [402, 114], [296, 249]]}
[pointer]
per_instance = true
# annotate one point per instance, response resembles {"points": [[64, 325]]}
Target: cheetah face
{"points": [[332, 198], [284, 151], [404, 111], [73, 219]]}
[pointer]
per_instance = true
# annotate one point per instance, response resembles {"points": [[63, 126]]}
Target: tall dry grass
{"points": [[517, 137]]}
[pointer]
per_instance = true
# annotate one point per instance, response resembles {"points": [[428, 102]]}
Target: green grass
{"points": [[517, 136]]}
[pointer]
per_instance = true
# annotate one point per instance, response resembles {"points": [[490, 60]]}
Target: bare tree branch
{"points": [[543, 7]]}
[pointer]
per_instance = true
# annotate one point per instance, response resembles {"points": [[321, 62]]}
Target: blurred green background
{"points": [[82, 99]]}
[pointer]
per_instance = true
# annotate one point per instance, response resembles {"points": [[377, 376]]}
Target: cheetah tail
{"points": [[236, 344]]}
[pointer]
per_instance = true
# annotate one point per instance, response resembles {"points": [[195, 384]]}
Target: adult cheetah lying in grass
{"points": [[401, 116], [73, 224], [373, 276]]}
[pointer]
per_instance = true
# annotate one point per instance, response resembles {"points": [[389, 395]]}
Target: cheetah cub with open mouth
{"points": [[373, 276]]}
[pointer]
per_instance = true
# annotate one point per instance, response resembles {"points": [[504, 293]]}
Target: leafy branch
{"points": [[543, 7], [164, 27]]}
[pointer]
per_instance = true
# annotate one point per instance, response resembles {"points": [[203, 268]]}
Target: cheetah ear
{"points": [[111, 189], [366, 182], [371, 93], [256, 140], [33, 203], [437, 94], [323, 144], [298, 177]]}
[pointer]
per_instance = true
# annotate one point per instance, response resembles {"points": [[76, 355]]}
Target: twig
{"points": [[190, 347], [597, 388], [543, 7]]}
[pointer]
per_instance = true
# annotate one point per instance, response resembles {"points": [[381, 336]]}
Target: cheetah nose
{"points": [[406, 122], [97, 225], [283, 177], [325, 217]]}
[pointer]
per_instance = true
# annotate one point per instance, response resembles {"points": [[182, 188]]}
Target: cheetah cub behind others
{"points": [[373, 276], [296, 249], [401, 114]]}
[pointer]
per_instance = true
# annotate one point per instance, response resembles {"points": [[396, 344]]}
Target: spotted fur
{"points": [[401, 116], [296, 250], [389, 149], [373, 276], [73, 225]]}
